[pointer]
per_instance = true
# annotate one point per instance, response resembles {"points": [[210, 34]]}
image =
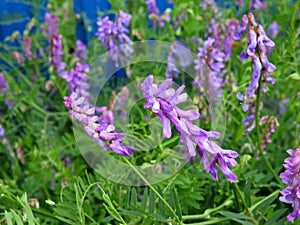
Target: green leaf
{"points": [[174, 199], [133, 199], [263, 204], [247, 192], [144, 200], [232, 215], [275, 216], [161, 205], [294, 76], [151, 201]]}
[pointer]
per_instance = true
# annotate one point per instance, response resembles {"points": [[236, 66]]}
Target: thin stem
{"points": [[259, 141], [154, 190], [215, 221], [208, 211]]}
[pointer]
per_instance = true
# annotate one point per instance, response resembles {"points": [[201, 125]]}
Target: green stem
{"points": [[154, 190], [259, 141], [215, 221], [208, 211]]}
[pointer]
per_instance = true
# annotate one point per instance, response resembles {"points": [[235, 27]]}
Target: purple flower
{"points": [[113, 34], [19, 57], [214, 30], [57, 54], [239, 2], [270, 122], [257, 4], [3, 83], [231, 28], [80, 51], [259, 45], [50, 25], [211, 80], [273, 30], [78, 80], [27, 41], [152, 8], [101, 132], [291, 176], [163, 102], [209, 4], [2, 132]]}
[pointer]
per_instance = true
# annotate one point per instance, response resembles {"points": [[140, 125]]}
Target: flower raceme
{"points": [[291, 176], [259, 45], [102, 133], [111, 34], [163, 102]]}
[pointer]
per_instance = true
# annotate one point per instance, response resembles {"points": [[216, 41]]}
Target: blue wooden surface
{"points": [[15, 15], [89, 10]]}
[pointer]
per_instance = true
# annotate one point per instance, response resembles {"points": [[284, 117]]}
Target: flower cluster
{"points": [[270, 122], [50, 25], [115, 107], [3, 83], [57, 54], [257, 4], [209, 80], [273, 29], [291, 176], [80, 51], [231, 28], [172, 70], [101, 132], [259, 45], [111, 34], [163, 102], [27, 42], [154, 14], [78, 80]]}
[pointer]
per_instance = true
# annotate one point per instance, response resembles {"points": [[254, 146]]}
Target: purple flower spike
{"points": [[239, 33], [3, 83], [113, 34], [257, 4], [163, 102], [259, 46], [101, 133], [273, 29], [80, 51], [50, 24], [291, 176]]}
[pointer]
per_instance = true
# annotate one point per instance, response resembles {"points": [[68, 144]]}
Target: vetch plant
{"points": [[163, 102]]}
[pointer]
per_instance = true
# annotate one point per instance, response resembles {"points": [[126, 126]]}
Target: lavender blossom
{"points": [[113, 34], [214, 30], [163, 102], [291, 176], [210, 80], [2, 132], [239, 2], [102, 133], [3, 83], [257, 4], [27, 42], [50, 25], [155, 16], [57, 54], [152, 8], [231, 28], [270, 122], [273, 30], [19, 57], [209, 4], [78, 80], [80, 51], [259, 45]]}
